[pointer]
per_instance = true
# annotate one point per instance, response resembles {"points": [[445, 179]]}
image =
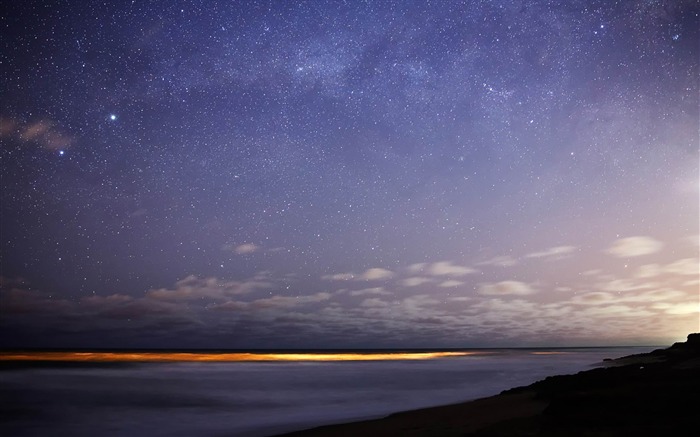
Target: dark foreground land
{"points": [[654, 394]]}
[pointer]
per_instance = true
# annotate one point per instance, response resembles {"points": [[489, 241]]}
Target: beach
{"points": [[650, 392], [127, 393], [641, 395]]}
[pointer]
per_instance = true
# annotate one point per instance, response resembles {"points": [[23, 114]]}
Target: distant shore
{"points": [[639, 395]]}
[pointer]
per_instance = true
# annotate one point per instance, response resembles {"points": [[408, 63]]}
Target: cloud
{"points": [[289, 301], [694, 239], [415, 281], [416, 305], [373, 303], [619, 285], [505, 309], [35, 130], [416, 268], [691, 282], [242, 249], [686, 266], [376, 274], [648, 271], [41, 132], [618, 311], [605, 298], [450, 283], [594, 298], [369, 291], [8, 126], [121, 307], [446, 268], [656, 296], [17, 300], [193, 287], [230, 306], [373, 274], [272, 302], [683, 308], [506, 288], [114, 312], [634, 246], [98, 300], [499, 261], [557, 252], [460, 299], [339, 277]]}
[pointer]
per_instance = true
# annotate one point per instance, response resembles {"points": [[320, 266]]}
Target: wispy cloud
{"points": [[8, 126], [634, 246], [272, 302], [557, 252], [41, 132], [416, 268], [193, 287], [499, 261], [620, 285], [339, 277], [242, 249], [648, 271], [377, 291], [373, 302], [450, 283], [685, 266], [684, 308], [372, 274], [664, 295], [446, 268], [506, 288], [415, 281], [376, 274], [594, 298]]}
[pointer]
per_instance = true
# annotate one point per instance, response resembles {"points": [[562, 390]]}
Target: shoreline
{"points": [[646, 394]]}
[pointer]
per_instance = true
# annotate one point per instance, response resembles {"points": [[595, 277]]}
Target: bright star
{"points": [[61, 152], [112, 117]]}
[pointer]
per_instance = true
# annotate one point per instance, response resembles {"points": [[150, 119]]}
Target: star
{"points": [[378, 155]]}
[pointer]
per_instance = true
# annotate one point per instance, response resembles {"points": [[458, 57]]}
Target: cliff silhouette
{"points": [[649, 394]]}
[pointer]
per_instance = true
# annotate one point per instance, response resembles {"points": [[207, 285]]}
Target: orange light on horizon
{"points": [[223, 357]]}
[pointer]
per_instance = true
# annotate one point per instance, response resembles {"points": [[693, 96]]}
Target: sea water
{"points": [[260, 398]]}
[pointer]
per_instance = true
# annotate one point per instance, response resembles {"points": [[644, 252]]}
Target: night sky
{"points": [[291, 174]]}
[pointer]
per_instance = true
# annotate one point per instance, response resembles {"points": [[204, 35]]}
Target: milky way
{"points": [[349, 174]]}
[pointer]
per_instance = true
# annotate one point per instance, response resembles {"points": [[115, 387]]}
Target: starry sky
{"points": [[349, 174]]}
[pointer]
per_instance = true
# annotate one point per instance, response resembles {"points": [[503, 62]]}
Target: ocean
{"points": [[255, 399]]}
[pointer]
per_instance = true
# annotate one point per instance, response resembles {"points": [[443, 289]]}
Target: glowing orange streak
{"points": [[184, 356]]}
